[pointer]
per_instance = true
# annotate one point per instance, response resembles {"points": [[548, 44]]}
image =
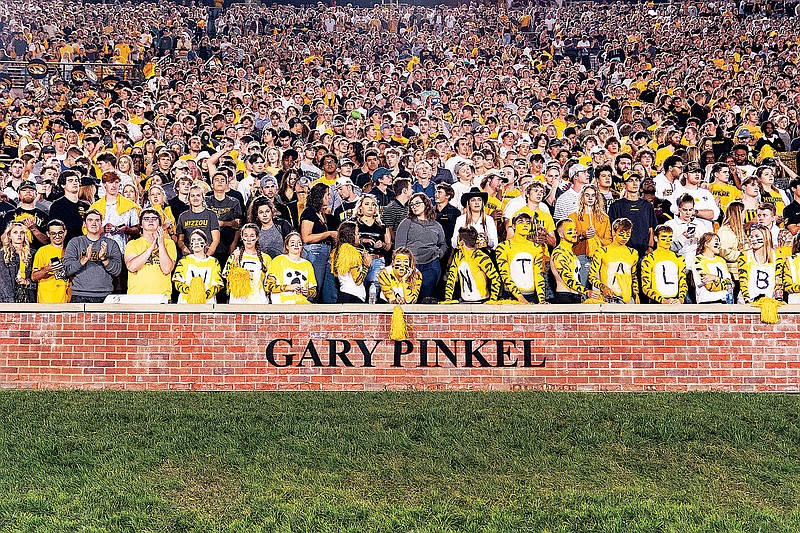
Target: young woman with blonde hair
{"points": [[16, 263], [593, 226]]}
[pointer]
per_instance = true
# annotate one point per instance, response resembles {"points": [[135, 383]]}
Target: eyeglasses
{"points": [[56, 233], [416, 204]]}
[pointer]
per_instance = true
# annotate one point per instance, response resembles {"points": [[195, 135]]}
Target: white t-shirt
{"points": [[703, 199]]}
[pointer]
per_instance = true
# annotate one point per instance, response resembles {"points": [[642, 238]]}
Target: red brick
{"points": [[597, 352]]}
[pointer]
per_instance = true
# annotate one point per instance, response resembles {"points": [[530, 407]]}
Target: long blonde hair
{"points": [[8, 248], [769, 253], [733, 220], [599, 210]]}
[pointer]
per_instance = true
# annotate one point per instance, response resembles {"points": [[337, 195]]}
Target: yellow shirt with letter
{"points": [[615, 267]]}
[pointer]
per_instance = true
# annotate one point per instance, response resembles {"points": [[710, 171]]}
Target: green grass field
{"points": [[111, 461]]}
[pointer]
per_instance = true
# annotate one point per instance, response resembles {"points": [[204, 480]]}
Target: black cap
{"points": [[27, 184]]}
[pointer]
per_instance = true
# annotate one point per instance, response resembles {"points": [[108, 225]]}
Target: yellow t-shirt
{"points": [[662, 154], [725, 193], [774, 197], [324, 180], [150, 279], [51, 290], [66, 52], [282, 271], [124, 52], [541, 216]]}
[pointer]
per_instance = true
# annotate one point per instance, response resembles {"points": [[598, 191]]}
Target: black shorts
{"points": [[567, 298]]}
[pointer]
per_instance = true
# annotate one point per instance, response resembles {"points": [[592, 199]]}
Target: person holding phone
{"points": [[48, 268], [687, 228]]}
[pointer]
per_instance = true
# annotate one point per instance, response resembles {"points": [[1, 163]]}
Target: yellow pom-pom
{"points": [[504, 302], [769, 309], [448, 302], [398, 331], [239, 282], [346, 257], [197, 291]]}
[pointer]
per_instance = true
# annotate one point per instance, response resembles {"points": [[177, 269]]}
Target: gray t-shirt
{"points": [[271, 241], [206, 220]]}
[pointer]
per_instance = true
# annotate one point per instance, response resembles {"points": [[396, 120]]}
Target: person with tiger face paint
{"points": [[400, 282], [520, 263], [663, 271], [566, 268], [614, 267]]}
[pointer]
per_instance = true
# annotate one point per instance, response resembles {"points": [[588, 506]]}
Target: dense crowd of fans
{"points": [[616, 152]]}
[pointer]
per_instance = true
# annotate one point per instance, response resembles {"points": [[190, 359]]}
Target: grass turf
{"points": [[114, 461]]}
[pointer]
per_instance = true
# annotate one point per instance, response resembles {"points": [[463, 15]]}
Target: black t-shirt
{"points": [[641, 215], [447, 218], [370, 234], [19, 214], [362, 178], [319, 225], [71, 214], [344, 212], [383, 198], [792, 213], [178, 207], [236, 195], [5, 207], [291, 207], [226, 209]]}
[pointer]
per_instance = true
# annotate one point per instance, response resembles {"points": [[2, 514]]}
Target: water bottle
{"points": [[729, 292], [373, 293]]}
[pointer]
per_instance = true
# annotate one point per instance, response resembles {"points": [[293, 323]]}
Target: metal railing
{"points": [[20, 76]]}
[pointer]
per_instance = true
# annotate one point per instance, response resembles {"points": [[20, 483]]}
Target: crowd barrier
{"points": [[226, 347]]}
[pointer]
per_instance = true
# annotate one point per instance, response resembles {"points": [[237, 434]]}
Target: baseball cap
{"points": [[346, 161], [596, 150], [27, 184], [268, 180], [693, 167], [380, 172], [744, 134], [574, 169], [343, 181]]}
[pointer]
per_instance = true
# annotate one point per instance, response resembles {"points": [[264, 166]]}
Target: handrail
{"points": [[411, 309], [20, 76]]}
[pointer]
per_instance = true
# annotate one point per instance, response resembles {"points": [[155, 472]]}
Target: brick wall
{"points": [[594, 348]]}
